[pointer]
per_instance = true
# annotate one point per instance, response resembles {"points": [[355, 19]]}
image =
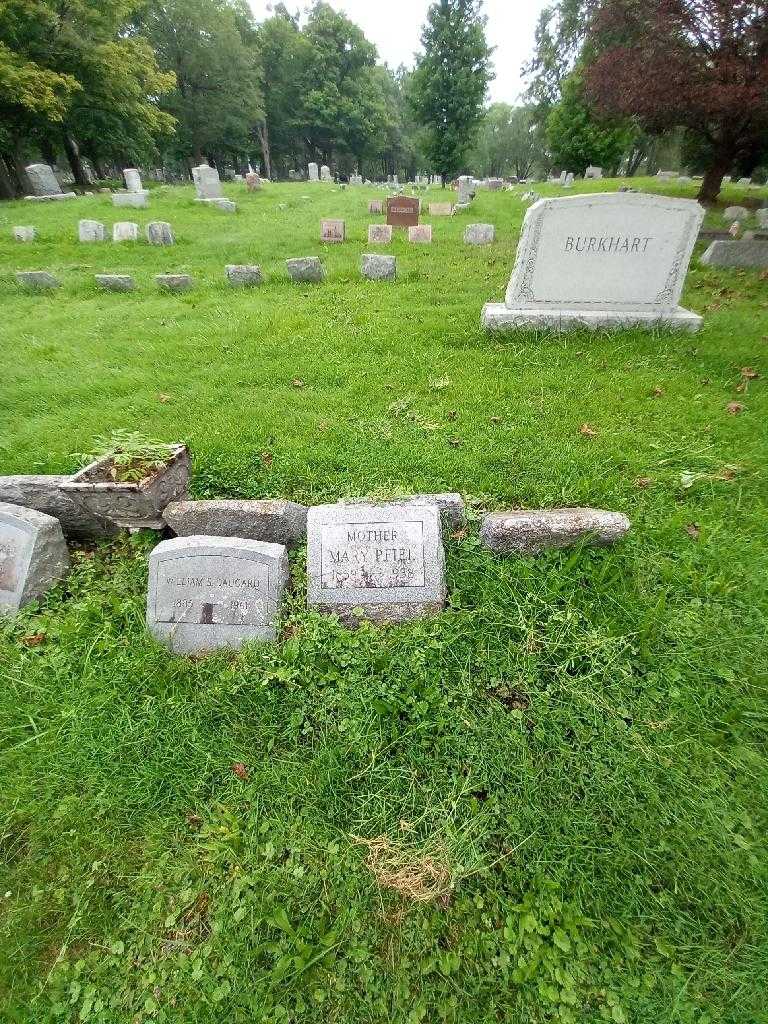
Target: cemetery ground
{"points": [[546, 803]]}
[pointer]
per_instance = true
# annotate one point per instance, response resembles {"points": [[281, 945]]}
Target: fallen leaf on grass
{"points": [[643, 481], [749, 373], [194, 820], [164, 398], [460, 534], [33, 640], [734, 408], [296, 383], [452, 415], [693, 530], [657, 392], [496, 419], [267, 458], [241, 771], [587, 431], [455, 442]]}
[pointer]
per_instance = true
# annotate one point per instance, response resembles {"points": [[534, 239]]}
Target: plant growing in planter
{"points": [[130, 479]]}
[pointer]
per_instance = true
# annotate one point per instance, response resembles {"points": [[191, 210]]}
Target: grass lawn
{"points": [[546, 804]]}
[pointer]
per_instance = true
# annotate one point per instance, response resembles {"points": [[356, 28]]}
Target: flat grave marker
{"points": [[332, 231]]}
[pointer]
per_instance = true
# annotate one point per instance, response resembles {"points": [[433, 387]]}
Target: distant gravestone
{"points": [[420, 234], [380, 562], [312, 170], [602, 260], [90, 231], [753, 253], [595, 173], [403, 211], [379, 234], [160, 232], [376, 206], [243, 275], [375, 267], [356, 179], [132, 179], [134, 200], [253, 181], [568, 180], [207, 182], [325, 173], [207, 593], [496, 184], [33, 556], [466, 189], [440, 209], [761, 214], [332, 231], [174, 282], [125, 231], [115, 282], [305, 269], [732, 213], [480, 234], [24, 233], [43, 180], [36, 279]]}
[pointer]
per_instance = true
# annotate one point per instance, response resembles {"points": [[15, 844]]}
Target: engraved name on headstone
{"points": [[403, 211], [211, 592], [381, 562]]}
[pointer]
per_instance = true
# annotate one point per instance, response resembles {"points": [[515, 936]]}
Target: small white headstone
{"points": [[125, 231], [33, 555], [325, 173], [24, 233], [132, 179], [91, 231], [602, 260], [313, 172], [212, 592], [207, 182], [381, 562]]}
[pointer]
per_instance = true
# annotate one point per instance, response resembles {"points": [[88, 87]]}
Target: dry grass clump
{"points": [[424, 878]]}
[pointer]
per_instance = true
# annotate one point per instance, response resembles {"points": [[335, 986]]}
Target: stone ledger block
{"points": [[36, 279], [44, 494], [242, 276], [207, 593], [33, 556], [135, 200], [602, 260], [379, 234], [91, 231], [272, 520], [174, 282], [529, 532], [125, 231], [160, 232], [115, 282], [752, 253], [332, 231], [441, 209], [480, 234], [382, 562], [305, 268], [420, 234], [375, 267], [24, 233]]}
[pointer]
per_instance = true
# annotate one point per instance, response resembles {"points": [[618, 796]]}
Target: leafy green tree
{"points": [[451, 80], [116, 76], [217, 100], [577, 137], [508, 142]]}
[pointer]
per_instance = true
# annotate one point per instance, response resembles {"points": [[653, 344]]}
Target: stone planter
{"points": [[135, 506]]}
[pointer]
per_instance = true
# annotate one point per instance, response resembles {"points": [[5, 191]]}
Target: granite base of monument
{"points": [[499, 317]]}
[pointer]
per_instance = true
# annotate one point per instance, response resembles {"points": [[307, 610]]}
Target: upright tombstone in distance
{"points": [[207, 183], [43, 180], [604, 260], [33, 555], [325, 173], [313, 173], [211, 592], [383, 562], [132, 179], [403, 211], [332, 231], [466, 189]]}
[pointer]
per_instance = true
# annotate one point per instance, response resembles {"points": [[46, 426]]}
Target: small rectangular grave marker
{"points": [[375, 206], [211, 592], [125, 231], [382, 562], [332, 231], [420, 234], [403, 211], [379, 234], [90, 231], [24, 233], [33, 555], [36, 279], [440, 209]]}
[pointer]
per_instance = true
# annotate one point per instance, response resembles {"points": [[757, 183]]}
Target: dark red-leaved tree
{"points": [[697, 64]]}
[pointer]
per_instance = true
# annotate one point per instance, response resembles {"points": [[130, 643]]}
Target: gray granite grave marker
{"points": [[33, 555], [90, 231]]}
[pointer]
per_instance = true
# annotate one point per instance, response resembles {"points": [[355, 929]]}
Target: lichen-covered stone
{"points": [[36, 279], [375, 267], [125, 231], [305, 269], [174, 282], [272, 520], [747, 253], [531, 531], [115, 282], [90, 231], [480, 234], [160, 232], [243, 275]]}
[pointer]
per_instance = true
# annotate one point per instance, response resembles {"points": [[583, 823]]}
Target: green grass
{"points": [[578, 743]]}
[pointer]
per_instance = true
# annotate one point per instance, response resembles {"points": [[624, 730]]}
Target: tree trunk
{"points": [[7, 187], [713, 180], [73, 156], [98, 167], [262, 132], [17, 162], [636, 157]]}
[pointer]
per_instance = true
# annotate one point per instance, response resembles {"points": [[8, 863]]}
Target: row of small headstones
{"points": [[221, 580], [373, 267]]}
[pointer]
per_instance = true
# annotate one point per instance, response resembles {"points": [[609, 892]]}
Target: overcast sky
{"points": [[395, 27]]}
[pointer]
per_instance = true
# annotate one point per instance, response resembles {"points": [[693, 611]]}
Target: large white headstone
{"points": [[604, 260], [132, 179], [207, 182], [313, 172]]}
